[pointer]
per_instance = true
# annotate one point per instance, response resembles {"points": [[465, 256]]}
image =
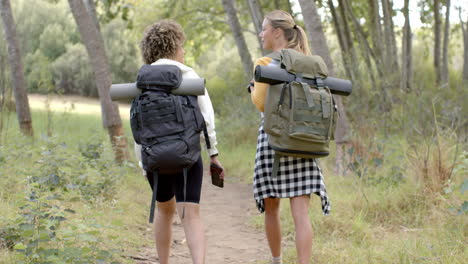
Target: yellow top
{"points": [[258, 94]]}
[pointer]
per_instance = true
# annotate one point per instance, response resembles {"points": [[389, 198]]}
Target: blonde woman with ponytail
{"points": [[297, 178]]}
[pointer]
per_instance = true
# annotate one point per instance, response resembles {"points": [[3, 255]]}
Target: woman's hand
{"points": [[216, 161], [251, 86]]}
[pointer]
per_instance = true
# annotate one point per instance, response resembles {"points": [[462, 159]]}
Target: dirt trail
{"points": [[230, 240], [225, 212]]}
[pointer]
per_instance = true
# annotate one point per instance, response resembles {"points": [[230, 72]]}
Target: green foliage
{"points": [[123, 54], [72, 72], [37, 71], [58, 181], [39, 234], [52, 41], [54, 58]]}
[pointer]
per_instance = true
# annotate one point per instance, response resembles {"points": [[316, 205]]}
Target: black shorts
{"points": [[173, 184]]}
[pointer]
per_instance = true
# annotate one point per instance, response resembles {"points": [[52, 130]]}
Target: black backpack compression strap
{"points": [[207, 140], [153, 199], [185, 191], [275, 168]]}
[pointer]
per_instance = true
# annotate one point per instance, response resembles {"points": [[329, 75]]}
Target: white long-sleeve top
{"points": [[204, 102]]}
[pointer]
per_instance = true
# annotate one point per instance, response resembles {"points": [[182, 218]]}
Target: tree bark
{"points": [[236, 29], [257, 20], [464, 26], [17, 74], [313, 25], [94, 43], [91, 7], [406, 54], [319, 45], [341, 40], [389, 37], [376, 29], [366, 49], [444, 78], [437, 57], [348, 47]]}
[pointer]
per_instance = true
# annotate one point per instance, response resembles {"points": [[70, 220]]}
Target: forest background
{"points": [[397, 173]]}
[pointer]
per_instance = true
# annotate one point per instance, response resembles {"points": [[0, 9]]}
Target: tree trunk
{"points": [[319, 45], [366, 49], [17, 74], [389, 38], [244, 53], [341, 40], [91, 7], [437, 56], [369, 54], [317, 38], [257, 20], [376, 29], [94, 43], [465, 47], [406, 54], [444, 78], [349, 51]]}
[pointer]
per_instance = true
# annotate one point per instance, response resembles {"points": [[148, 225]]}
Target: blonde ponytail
{"points": [[294, 34]]}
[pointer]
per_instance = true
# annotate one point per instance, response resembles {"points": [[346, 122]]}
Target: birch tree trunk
{"points": [[464, 26], [319, 45], [16, 68], [437, 56], [406, 54], [257, 20], [94, 43], [236, 29], [444, 78]]}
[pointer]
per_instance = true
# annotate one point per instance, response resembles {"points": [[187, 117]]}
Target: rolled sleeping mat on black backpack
{"points": [[276, 75], [128, 91]]}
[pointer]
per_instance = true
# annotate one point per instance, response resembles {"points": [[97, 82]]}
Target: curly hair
{"points": [[161, 40]]}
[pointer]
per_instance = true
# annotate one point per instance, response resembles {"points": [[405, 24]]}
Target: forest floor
{"points": [[225, 212]]}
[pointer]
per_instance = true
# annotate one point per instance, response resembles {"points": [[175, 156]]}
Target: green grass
{"points": [[377, 218]]}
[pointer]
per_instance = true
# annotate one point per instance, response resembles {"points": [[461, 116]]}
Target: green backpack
{"points": [[299, 118]]}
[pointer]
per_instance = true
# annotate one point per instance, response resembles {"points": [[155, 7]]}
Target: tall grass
{"points": [[402, 199]]}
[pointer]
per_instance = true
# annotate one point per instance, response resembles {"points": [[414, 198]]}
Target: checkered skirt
{"points": [[296, 176]]}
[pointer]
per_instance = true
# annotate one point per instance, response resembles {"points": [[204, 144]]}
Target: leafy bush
{"points": [[40, 235], [72, 73]]}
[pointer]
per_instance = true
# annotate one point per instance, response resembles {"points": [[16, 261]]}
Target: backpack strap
{"points": [[308, 94], [205, 134], [153, 199], [323, 97], [274, 170], [185, 191]]}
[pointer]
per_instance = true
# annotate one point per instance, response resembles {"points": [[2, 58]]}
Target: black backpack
{"points": [[167, 126]]}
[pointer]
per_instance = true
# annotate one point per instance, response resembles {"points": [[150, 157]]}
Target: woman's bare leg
{"points": [[300, 213], [273, 225], [194, 230], [163, 229]]}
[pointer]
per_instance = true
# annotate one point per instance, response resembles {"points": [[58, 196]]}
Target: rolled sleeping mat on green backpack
{"points": [[128, 91], [275, 75]]}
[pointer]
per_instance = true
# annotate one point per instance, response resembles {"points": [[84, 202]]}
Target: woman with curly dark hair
{"points": [[162, 44]]}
